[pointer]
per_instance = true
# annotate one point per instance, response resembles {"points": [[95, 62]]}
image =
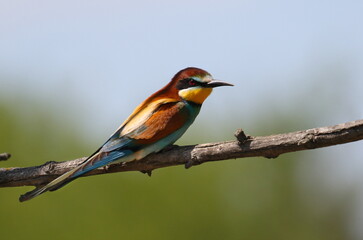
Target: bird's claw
{"points": [[148, 172], [169, 147], [188, 164]]}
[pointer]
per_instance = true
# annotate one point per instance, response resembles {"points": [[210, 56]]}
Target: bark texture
{"points": [[245, 146]]}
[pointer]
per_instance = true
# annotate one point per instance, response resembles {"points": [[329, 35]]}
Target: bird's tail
{"points": [[55, 184], [95, 161]]}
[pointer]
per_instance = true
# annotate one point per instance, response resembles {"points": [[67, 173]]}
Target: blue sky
{"points": [[130, 49]]}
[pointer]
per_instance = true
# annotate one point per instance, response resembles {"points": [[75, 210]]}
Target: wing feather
{"points": [[142, 114], [133, 125], [168, 118]]}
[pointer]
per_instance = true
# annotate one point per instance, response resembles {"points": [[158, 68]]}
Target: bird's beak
{"points": [[213, 84]]}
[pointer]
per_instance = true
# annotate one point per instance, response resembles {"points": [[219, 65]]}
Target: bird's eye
{"points": [[192, 82]]}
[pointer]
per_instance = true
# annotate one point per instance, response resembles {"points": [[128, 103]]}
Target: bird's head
{"points": [[195, 84]]}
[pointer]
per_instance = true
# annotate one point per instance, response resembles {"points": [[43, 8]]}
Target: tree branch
{"points": [[266, 146]]}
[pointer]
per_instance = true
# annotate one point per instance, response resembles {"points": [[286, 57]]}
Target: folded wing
{"points": [[142, 129]]}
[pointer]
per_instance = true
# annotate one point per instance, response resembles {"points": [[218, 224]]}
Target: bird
{"points": [[155, 124]]}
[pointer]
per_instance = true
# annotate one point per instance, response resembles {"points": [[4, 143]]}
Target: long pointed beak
{"points": [[213, 84]]}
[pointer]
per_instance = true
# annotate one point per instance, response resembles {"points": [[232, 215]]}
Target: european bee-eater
{"points": [[156, 123]]}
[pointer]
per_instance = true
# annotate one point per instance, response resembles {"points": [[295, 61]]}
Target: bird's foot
{"points": [[189, 164], [148, 172], [194, 158], [169, 147]]}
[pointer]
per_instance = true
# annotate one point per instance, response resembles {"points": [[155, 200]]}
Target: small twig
{"points": [[241, 136], [4, 156]]}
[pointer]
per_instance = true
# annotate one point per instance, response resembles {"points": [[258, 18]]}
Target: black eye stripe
{"points": [[188, 82], [192, 82]]}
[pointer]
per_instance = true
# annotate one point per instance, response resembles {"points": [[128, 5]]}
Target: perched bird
{"points": [[156, 123]]}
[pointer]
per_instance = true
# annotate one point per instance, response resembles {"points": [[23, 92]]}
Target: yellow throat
{"points": [[195, 94]]}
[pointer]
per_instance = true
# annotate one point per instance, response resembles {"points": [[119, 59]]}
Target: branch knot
{"points": [[241, 136], [308, 141]]}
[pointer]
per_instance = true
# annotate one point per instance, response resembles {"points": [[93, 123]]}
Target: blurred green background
{"points": [[72, 71]]}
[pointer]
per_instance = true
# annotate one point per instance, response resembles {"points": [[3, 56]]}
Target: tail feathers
{"points": [[96, 161], [56, 182]]}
